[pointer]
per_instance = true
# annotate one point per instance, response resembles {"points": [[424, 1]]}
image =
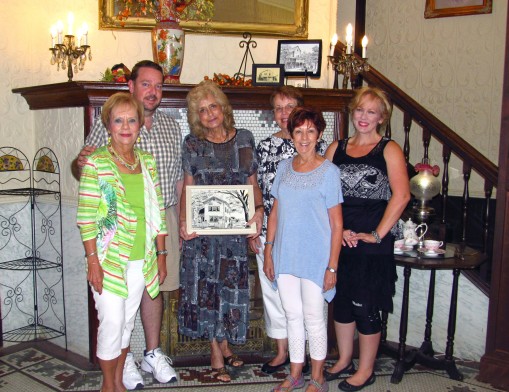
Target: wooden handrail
{"points": [[445, 135]]}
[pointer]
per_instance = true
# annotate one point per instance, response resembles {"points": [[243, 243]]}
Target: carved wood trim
{"points": [[495, 362]]}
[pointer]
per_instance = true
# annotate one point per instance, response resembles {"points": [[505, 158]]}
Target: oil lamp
{"points": [[424, 186]]}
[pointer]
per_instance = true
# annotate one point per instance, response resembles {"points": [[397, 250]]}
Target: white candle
{"points": [[333, 43], [60, 28], [349, 38], [364, 46], [84, 29], [70, 21], [53, 33]]}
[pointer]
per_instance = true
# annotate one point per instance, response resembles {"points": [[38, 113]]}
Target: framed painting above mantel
{"points": [[443, 8], [259, 17]]}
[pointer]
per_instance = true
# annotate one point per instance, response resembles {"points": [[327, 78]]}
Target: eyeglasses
{"points": [[288, 108]]}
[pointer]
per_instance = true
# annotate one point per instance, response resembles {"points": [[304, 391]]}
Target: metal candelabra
{"points": [[68, 55], [348, 65]]}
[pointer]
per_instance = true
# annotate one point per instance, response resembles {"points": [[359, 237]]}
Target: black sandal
{"points": [[232, 360]]}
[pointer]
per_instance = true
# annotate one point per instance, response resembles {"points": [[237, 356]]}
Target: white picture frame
{"points": [[219, 209]]}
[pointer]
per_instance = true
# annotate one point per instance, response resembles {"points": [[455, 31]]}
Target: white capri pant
{"points": [[275, 318], [303, 303], [117, 315]]}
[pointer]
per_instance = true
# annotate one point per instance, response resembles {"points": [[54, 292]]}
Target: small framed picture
{"points": [[442, 8], [268, 74], [219, 209], [300, 58]]}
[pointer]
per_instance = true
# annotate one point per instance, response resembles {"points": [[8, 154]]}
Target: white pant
{"points": [[303, 303], [116, 314], [275, 318]]}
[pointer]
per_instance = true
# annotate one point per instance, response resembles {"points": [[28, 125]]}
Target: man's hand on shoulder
{"points": [[82, 156], [80, 161]]}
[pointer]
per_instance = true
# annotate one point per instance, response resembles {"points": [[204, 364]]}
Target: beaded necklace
{"points": [[130, 166]]}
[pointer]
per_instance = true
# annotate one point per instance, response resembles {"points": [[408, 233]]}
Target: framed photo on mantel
{"points": [[268, 74], [443, 8], [219, 209], [300, 58]]}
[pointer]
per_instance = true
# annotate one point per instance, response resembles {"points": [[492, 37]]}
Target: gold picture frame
{"points": [[299, 28], [444, 8], [219, 209]]}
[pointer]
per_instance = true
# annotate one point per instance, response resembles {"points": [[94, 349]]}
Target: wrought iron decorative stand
{"points": [[31, 264], [248, 43]]}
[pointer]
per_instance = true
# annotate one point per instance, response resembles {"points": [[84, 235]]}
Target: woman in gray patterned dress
{"points": [[214, 301]]}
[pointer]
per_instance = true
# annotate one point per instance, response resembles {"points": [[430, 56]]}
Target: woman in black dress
{"points": [[376, 191]]}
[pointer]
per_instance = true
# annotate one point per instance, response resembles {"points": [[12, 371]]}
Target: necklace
{"points": [[130, 166]]}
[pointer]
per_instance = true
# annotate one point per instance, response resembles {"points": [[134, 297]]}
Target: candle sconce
{"points": [[347, 64], [68, 55]]}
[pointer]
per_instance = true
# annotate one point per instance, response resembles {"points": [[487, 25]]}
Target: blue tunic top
{"points": [[303, 233]]}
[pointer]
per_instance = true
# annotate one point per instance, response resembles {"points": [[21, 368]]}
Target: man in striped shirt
{"points": [[161, 136]]}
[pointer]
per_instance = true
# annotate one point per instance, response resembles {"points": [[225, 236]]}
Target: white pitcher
{"points": [[411, 230]]}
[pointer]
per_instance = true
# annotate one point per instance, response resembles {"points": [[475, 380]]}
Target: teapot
{"points": [[410, 230]]}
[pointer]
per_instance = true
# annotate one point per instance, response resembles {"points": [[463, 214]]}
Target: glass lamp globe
{"points": [[424, 186]]}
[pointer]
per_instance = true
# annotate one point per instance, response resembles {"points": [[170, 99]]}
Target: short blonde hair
{"points": [[119, 99], [375, 94], [205, 89]]}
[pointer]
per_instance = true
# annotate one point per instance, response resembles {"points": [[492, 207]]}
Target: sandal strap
{"points": [[320, 387], [220, 371], [230, 360]]}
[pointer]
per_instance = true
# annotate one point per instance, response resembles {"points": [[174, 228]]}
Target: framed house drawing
{"points": [[219, 209]]}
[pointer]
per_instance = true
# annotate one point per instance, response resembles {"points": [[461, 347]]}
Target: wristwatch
{"points": [[162, 252], [331, 270]]}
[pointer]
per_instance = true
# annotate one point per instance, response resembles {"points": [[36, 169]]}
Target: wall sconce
{"points": [[66, 52], [346, 63]]}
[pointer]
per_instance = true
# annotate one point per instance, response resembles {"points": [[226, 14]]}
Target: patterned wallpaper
{"points": [[452, 66]]}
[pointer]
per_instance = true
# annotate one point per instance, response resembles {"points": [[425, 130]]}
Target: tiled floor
{"points": [[33, 369]]}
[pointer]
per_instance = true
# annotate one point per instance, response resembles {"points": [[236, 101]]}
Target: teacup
{"points": [[432, 245], [398, 244]]}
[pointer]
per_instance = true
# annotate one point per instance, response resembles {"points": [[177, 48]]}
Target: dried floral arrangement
{"points": [[165, 9]]}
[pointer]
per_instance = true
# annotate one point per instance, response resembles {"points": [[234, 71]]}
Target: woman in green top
{"points": [[121, 218]]}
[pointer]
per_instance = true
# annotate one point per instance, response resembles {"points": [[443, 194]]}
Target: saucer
{"points": [[438, 252], [403, 249]]}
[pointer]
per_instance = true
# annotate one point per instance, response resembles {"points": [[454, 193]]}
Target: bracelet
{"points": [[162, 252], [90, 254], [377, 236], [259, 206], [333, 270], [268, 243]]}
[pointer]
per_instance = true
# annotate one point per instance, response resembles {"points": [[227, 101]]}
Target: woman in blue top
{"points": [[304, 234]]}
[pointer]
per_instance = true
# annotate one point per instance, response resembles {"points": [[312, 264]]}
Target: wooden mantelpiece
{"points": [[92, 95], [74, 94]]}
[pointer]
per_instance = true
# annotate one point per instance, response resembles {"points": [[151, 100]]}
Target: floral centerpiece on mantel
{"points": [[164, 10]]}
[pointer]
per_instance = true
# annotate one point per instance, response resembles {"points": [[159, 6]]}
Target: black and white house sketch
{"points": [[300, 58], [219, 209], [268, 74]]}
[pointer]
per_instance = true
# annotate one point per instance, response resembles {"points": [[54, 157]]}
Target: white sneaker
{"points": [[131, 376], [159, 365]]}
